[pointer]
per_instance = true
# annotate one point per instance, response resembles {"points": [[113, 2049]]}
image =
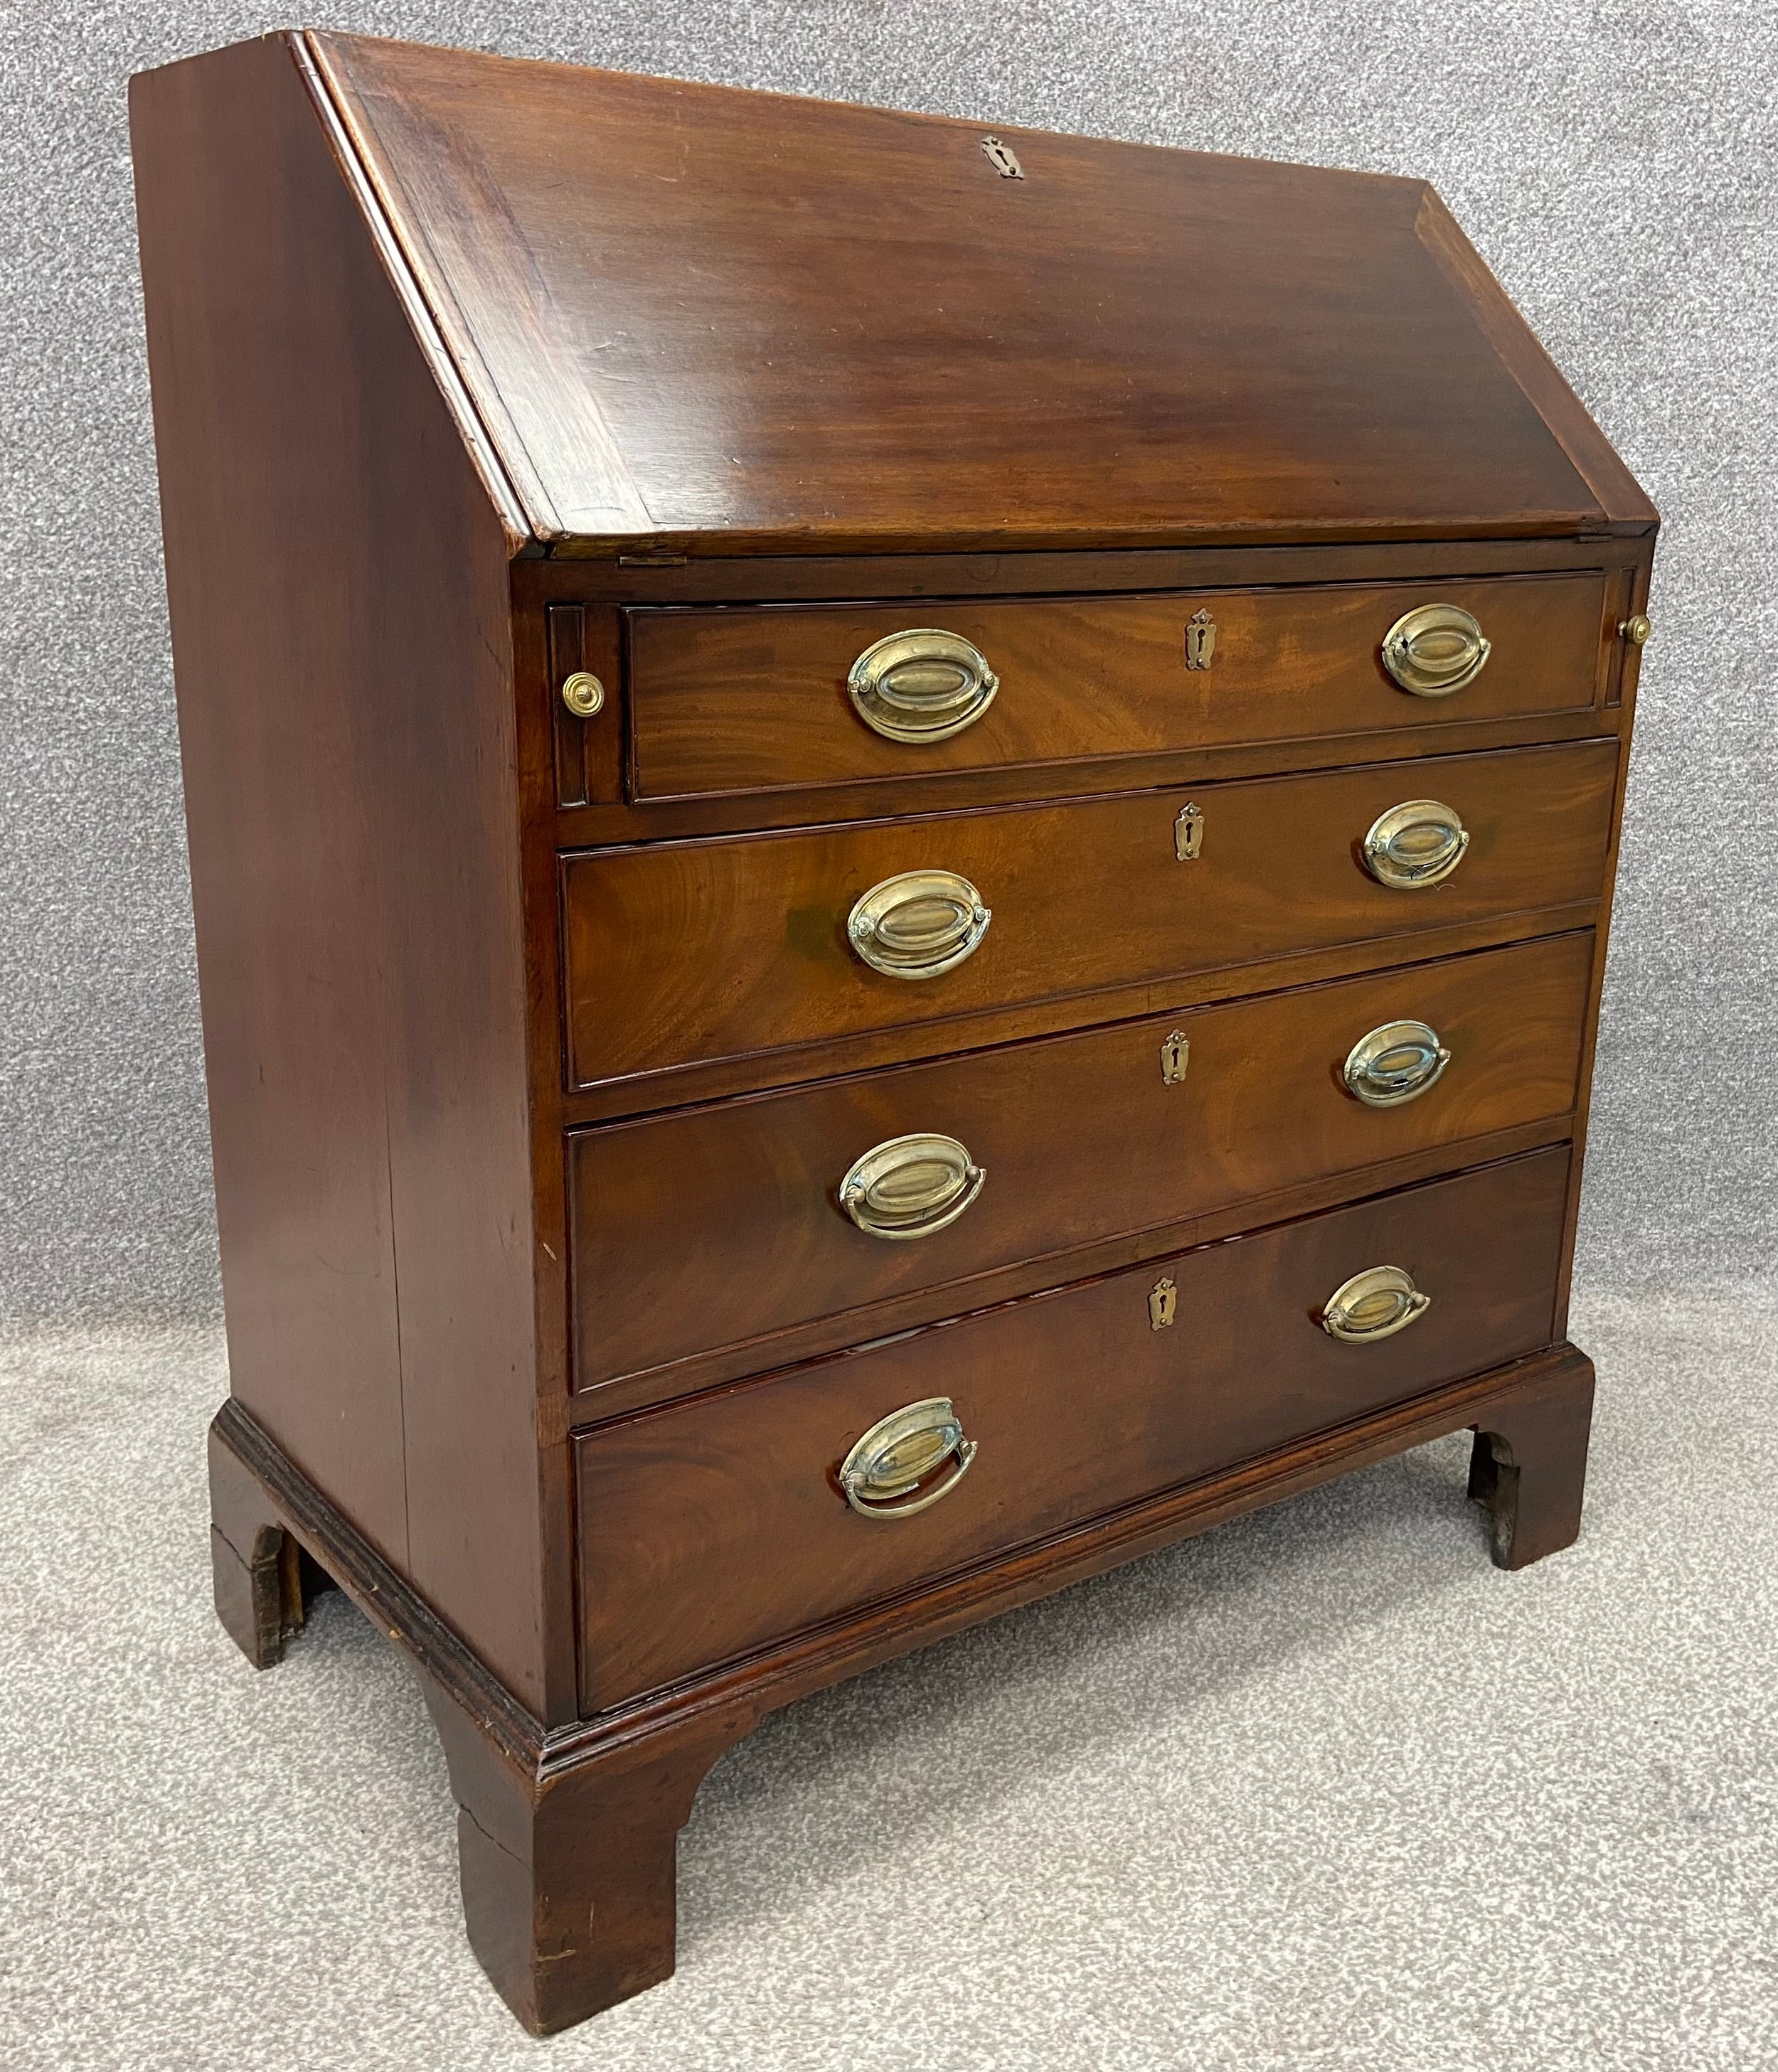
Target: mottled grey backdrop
{"points": [[1616, 162]]}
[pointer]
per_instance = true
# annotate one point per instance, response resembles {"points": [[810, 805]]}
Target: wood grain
{"points": [[566, 1837], [700, 951], [493, 995], [665, 298], [716, 1526], [1620, 496], [1081, 1139], [347, 728], [754, 699]]}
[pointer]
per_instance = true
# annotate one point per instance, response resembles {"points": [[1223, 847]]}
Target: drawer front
{"points": [[717, 1226], [680, 952], [753, 698], [714, 1527]]}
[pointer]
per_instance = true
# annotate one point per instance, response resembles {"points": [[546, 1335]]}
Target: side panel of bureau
{"points": [[712, 1527], [752, 699], [1078, 1138], [686, 951], [338, 578]]}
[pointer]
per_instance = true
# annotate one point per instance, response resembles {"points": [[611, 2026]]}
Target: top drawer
{"points": [[768, 697]]}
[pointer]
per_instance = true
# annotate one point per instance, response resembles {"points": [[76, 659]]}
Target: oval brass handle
{"points": [[1436, 649], [1419, 842], [1394, 1063], [884, 1474], [918, 924], [924, 684], [910, 1186], [1375, 1304]]}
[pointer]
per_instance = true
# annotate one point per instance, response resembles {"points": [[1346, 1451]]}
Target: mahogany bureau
{"points": [[901, 839]]}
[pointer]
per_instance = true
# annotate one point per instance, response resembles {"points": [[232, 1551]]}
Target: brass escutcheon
{"points": [[1000, 156], [1201, 640]]}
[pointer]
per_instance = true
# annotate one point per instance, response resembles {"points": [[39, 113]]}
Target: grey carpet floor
{"points": [[1322, 1789]]}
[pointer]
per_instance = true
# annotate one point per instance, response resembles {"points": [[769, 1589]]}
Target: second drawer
{"points": [[1040, 1148], [728, 949]]}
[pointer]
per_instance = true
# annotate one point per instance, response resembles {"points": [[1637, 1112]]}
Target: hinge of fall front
{"points": [[1188, 831], [1175, 1054], [651, 560]]}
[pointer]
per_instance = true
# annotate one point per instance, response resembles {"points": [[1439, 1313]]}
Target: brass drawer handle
{"points": [[1419, 842], [1436, 649], [924, 684], [911, 1187], [1375, 1304], [1395, 1064], [583, 694], [882, 1474], [918, 924]]}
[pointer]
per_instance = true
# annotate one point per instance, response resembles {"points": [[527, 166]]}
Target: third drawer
{"points": [[1036, 1149]]}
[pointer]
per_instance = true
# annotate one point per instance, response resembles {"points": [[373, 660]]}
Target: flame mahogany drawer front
{"points": [[758, 698], [720, 1524], [1032, 1149], [685, 952]]}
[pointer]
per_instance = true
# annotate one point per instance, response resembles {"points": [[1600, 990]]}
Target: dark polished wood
{"points": [[598, 247], [753, 699], [566, 1836], [600, 825], [1527, 1469], [725, 949], [714, 1525], [536, 1049], [1081, 1138], [682, 579], [347, 726], [601, 1402], [913, 1041]]}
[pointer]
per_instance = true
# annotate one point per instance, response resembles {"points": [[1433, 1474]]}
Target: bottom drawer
{"points": [[716, 1525]]}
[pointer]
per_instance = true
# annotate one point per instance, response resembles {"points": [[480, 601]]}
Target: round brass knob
{"points": [[911, 1187], [1434, 649], [1636, 630], [889, 1474], [1375, 1304], [1419, 842], [583, 694]]}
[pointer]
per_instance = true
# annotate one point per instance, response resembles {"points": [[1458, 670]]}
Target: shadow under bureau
{"points": [[901, 838]]}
